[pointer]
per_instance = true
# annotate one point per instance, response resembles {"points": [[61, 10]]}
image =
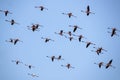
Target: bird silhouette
{"points": [[69, 14], [12, 21], [11, 40], [14, 41], [47, 39], [75, 27], [100, 64], [60, 33], [87, 11], [68, 66], [33, 75], [69, 33], [99, 50], [17, 61], [109, 64], [80, 37], [70, 38], [34, 27], [41, 7], [6, 12], [59, 58], [88, 43], [52, 57], [29, 66], [113, 32]]}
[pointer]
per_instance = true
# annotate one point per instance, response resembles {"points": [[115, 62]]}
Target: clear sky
{"points": [[33, 50]]}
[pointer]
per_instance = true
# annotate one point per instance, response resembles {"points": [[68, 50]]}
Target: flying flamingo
{"points": [[41, 7], [14, 41], [52, 57], [99, 50], [12, 21], [29, 66], [75, 27], [80, 37], [47, 39], [69, 33], [69, 14], [99, 64], [70, 38], [11, 40], [60, 33], [68, 66], [33, 75], [88, 44], [34, 27], [88, 11], [113, 32], [17, 61], [59, 58], [109, 64], [6, 12]]}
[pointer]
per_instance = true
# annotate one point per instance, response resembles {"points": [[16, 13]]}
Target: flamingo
{"points": [[52, 57], [29, 66], [34, 27], [80, 37], [99, 50], [75, 27], [60, 33], [113, 31], [70, 38], [6, 12], [68, 66], [12, 21], [69, 33], [47, 39], [17, 61], [109, 64], [11, 40], [69, 14], [99, 64], [88, 44], [59, 58], [41, 7], [14, 41], [33, 75], [88, 11]]}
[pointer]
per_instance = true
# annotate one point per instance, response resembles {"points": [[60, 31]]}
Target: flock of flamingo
{"points": [[69, 35]]}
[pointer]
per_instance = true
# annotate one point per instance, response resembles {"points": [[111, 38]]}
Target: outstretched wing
{"points": [[88, 8]]}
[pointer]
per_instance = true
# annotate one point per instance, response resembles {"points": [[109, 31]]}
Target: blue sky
{"points": [[33, 50]]}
